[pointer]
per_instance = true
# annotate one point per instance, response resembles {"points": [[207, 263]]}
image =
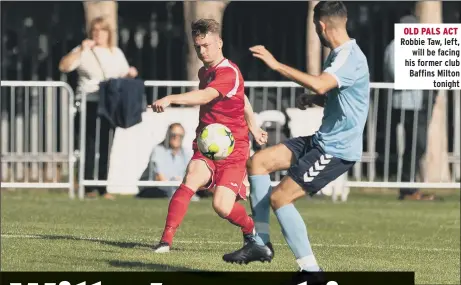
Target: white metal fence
{"points": [[37, 133]]}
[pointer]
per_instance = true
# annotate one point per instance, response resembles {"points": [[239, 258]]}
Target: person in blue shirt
{"points": [[314, 161], [169, 159]]}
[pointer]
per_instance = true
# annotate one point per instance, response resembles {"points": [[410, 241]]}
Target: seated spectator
{"points": [[96, 60], [170, 159]]}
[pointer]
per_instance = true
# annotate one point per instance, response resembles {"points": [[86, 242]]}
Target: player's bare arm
{"points": [[249, 115], [192, 98], [259, 134], [320, 84], [66, 63]]}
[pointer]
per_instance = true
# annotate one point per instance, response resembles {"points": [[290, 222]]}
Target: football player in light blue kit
{"points": [[312, 162]]}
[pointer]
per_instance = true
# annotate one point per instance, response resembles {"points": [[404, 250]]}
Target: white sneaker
{"points": [[161, 247]]}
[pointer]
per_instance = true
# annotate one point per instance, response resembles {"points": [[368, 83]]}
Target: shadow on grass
{"points": [[120, 244], [101, 241], [150, 266]]}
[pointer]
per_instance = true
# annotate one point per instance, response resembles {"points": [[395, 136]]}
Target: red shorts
{"points": [[230, 172]]}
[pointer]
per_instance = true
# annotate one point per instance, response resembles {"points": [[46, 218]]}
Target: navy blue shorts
{"points": [[313, 169]]}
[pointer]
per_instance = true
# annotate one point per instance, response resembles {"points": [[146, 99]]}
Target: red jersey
{"points": [[228, 108]]}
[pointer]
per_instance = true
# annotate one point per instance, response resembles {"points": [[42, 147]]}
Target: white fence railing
{"points": [[37, 135]]}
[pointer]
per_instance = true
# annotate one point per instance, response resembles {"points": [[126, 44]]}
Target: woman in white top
{"points": [[95, 60]]}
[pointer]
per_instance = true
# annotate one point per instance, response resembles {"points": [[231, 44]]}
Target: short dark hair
{"points": [[330, 9], [202, 27]]}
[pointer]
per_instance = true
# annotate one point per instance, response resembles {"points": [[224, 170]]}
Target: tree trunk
{"points": [[194, 10], [107, 9], [436, 168], [313, 46]]}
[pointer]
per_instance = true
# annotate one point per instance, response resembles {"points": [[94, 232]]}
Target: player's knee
{"points": [[197, 176], [256, 165], [223, 201], [195, 180], [279, 199], [275, 200], [222, 209]]}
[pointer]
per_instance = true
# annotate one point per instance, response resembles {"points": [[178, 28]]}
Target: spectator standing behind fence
{"points": [[96, 60], [170, 159], [415, 105]]}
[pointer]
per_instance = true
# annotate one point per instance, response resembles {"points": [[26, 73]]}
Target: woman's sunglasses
{"points": [[174, 135]]}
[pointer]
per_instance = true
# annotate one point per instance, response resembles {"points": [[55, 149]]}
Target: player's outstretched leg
{"points": [[311, 172], [278, 157], [260, 190], [197, 175], [225, 205], [293, 227], [275, 158], [235, 213], [259, 166], [176, 211]]}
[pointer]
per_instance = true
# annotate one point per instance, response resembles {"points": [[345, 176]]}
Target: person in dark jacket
{"points": [[96, 59], [121, 102]]}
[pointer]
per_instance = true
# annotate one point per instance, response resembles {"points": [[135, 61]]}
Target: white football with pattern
{"points": [[216, 141]]}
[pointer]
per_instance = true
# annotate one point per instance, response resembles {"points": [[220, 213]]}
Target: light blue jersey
{"points": [[346, 107]]}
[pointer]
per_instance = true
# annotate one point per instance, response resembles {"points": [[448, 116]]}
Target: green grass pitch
{"points": [[45, 231]]}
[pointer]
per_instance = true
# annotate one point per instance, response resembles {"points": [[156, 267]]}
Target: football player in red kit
{"points": [[222, 100]]}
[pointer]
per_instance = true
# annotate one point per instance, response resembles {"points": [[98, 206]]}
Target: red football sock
{"points": [[176, 212], [239, 217]]}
